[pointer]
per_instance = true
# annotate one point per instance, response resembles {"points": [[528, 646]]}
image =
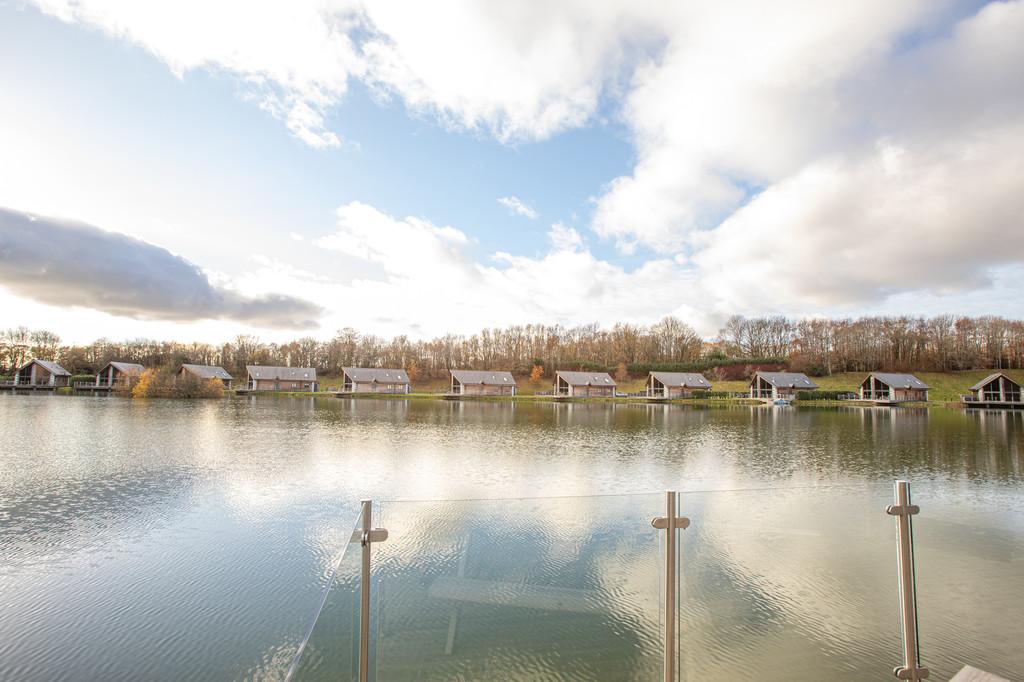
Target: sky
{"points": [[198, 170]]}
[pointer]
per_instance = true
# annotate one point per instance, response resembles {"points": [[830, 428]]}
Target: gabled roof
{"points": [[787, 380], [281, 373], [587, 378], [990, 378], [208, 372], [899, 380], [472, 376], [682, 379], [51, 367], [363, 375], [126, 367]]}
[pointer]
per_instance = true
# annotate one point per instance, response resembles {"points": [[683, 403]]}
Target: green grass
{"points": [[524, 387], [945, 386]]}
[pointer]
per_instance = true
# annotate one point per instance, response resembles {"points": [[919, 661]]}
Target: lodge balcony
{"points": [[25, 383], [1007, 401], [739, 584], [889, 397]]}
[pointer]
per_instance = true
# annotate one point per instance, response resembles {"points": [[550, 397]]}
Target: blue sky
{"points": [[352, 157], [389, 158]]}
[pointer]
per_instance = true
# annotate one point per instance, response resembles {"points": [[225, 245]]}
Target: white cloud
{"points": [[565, 238], [746, 94], [301, 118], [400, 247], [847, 232], [916, 206], [516, 205], [519, 71], [294, 58], [431, 284]]}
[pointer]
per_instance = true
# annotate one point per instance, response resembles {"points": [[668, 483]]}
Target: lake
{"points": [[194, 540]]}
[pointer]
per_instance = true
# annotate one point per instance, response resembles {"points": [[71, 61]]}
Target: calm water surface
{"points": [[193, 540]]}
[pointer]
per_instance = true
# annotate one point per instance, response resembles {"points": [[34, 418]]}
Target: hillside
{"points": [[945, 386]]}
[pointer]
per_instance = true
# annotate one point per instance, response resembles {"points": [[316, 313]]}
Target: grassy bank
{"points": [[945, 386]]}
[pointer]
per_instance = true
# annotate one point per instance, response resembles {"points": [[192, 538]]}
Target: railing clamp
{"points": [[367, 537], [902, 510], [679, 522], [902, 673]]}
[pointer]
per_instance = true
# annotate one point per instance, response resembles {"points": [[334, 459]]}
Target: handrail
{"points": [[17, 382], [903, 510], [670, 523], [672, 520], [369, 536]]}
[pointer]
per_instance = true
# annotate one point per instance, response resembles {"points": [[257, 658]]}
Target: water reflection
{"points": [[775, 585]]}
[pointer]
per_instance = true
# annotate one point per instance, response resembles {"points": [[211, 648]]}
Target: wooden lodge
{"points": [[116, 374], [266, 378], [584, 385], [41, 373], [474, 382], [779, 385], [374, 380], [205, 372], [995, 390], [671, 385], [884, 387]]}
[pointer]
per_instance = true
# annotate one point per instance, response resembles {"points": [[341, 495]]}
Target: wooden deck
{"points": [[93, 388], [28, 387], [993, 405]]}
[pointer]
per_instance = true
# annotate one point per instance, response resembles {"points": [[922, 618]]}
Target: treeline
{"points": [[817, 346], [824, 346]]}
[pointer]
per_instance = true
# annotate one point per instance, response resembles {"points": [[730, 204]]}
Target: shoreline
{"points": [[633, 400]]}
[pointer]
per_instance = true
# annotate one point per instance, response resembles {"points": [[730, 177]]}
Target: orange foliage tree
{"points": [[413, 370], [536, 374], [146, 385]]}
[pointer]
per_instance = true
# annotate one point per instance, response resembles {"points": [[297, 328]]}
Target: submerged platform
{"points": [[972, 674]]}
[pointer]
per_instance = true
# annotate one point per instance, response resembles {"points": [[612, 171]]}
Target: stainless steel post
{"points": [[670, 588], [903, 511], [670, 523], [368, 535], [364, 595]]}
